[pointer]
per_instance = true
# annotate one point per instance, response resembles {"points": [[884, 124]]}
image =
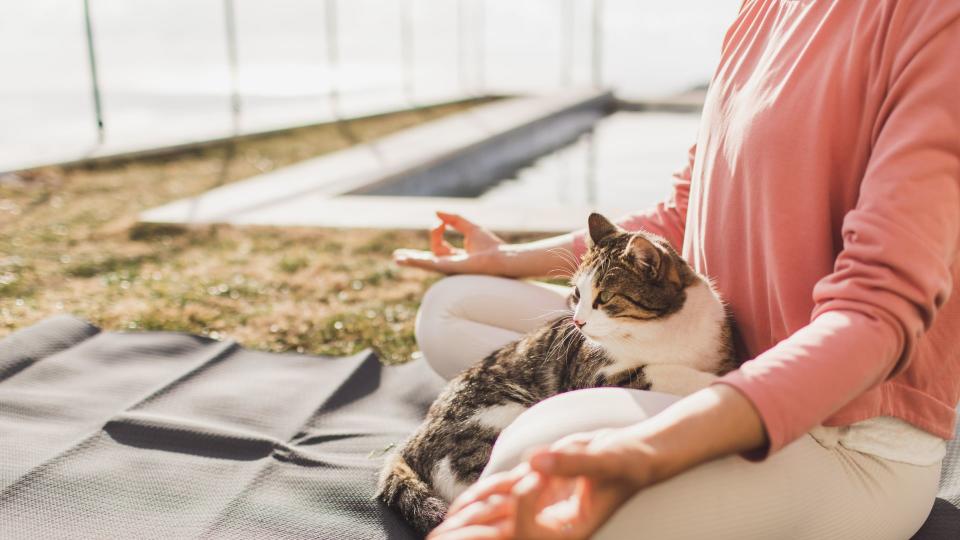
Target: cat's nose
{"points": [[579, 323]]}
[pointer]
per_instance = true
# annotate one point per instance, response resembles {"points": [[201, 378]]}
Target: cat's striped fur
{"points": [[648, 322]]}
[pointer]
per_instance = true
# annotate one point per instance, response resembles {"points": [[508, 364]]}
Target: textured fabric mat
{"points": [[163, 435], [944, 520]]}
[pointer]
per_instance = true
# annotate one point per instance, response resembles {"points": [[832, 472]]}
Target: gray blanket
{"points": [[162, 435]]}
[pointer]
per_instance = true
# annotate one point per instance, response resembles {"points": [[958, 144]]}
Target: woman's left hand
{"points": [[567, 492], [572, 489]]}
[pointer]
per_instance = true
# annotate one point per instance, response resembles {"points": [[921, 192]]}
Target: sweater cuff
{"points": [[737, 381]]}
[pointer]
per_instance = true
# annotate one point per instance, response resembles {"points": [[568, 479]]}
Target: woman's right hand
{"points": [[481, 253]]}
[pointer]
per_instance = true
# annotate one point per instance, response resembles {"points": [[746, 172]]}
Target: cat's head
{"points": [[626, 281]]}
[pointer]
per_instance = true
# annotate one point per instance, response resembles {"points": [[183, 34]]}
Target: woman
{"points": [[823, 197]]}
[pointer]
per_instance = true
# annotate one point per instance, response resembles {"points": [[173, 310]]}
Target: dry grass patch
{"points": [[69, 243]]}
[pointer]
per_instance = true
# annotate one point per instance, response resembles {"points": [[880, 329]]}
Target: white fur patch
{"points": [[499, 416], [690, 337], [585, 304], [676, 379], [445, 483]]}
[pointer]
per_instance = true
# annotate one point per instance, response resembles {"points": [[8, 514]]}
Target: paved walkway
{"points": [[628, 161], [314, 192], [625, 163]]}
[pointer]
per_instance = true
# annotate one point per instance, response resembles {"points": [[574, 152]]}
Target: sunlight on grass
{"points": [[70, 244]]}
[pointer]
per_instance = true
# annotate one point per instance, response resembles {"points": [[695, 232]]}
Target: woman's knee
{"points": [[485, 310], [435, 308], [572, 412], [444, 330], [442, 298]]}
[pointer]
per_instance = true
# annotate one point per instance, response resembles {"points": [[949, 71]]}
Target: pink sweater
{"points": [[823, 197]]}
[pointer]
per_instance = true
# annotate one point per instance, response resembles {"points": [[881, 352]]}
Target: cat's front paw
{"points": [[676, 379]]}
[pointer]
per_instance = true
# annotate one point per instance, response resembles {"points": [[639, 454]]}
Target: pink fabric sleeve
{"points": [[894, 270], [665, 219]]}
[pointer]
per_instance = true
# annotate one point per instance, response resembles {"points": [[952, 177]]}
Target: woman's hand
{"points": [[568, 491], [485, 253], [481, 252]]}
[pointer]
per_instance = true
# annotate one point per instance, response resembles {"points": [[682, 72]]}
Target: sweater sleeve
{"points": [[665, 219], [893, 272]]}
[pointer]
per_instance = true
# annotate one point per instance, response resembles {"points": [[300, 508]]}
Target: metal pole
{"points": [[566, 43], [482, 47], [597, 59], [94, 79], [462, 45], [230, 21], [406, 48], [333, 57]]}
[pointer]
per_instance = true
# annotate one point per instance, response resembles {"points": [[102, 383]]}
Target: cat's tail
{"points": [[402, 488]]}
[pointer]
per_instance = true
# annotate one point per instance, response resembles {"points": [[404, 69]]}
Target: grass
{"points": [[69, 243]]}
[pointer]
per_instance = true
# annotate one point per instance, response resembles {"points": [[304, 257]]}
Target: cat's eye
{"points": [[576, 294], [604, 297]]}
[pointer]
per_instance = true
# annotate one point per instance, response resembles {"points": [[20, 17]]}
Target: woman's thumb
{"points": [[578, 463]]}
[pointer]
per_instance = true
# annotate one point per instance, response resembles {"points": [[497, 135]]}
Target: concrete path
{"points": [[317, 192], [372, 212], [628, 160]]}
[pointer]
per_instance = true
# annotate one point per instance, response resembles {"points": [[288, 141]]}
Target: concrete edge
{"points": [[92, 160], [583, 108], [417, 213], [690, 101], [470, 168]]}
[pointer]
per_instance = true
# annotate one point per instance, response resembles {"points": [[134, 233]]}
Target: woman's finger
{"points": [[493, 509], [603, 466], [498, 531], [416, 259], [453, 264], [500, 483], [528, 493], [458, 222], [438, 245], [576, 441]]}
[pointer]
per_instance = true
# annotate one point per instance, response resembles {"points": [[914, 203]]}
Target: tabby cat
{"points": [[642, 318]]}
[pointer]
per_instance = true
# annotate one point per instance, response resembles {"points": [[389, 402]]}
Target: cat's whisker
{"points": [[549, 314], [566, 256], [554, 347], [569, 339]]}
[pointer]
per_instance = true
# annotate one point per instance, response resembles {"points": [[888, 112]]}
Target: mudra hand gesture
{"points": [[481, 253], [566, 492], [486, 253]]}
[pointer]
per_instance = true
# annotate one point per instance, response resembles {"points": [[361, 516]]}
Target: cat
{"points": [[642, 318]]}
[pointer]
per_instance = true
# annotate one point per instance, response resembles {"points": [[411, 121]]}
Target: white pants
{"points": [[808, 490]]}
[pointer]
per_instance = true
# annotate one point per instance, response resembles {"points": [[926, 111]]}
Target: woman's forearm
{"points": [[714, 422], [550, 257]]}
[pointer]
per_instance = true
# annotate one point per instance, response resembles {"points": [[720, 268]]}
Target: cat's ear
{"points": [[645, 254], [600, 228]]}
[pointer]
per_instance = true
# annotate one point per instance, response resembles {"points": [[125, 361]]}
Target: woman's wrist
{"points": [[712, 423], [551, 257]]}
